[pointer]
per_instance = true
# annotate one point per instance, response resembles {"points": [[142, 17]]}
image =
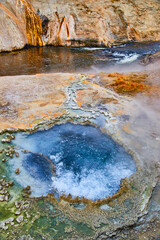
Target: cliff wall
{"points": [[77, 22]]}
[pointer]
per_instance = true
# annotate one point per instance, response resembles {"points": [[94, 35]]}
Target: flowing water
{"points": [[60, 59], [73, 159]]}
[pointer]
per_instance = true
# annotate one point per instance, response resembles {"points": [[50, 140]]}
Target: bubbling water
{"points": [[72, 159]]}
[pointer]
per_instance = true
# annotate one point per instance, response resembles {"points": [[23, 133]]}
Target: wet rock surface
{"points": [[131, 119], [150, 58], [100, 23]]}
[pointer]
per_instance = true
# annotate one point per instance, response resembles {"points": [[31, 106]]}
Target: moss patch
{"points": [[130, 84]]}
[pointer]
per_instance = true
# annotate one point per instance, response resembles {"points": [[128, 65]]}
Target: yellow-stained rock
{"points": [[77, 23]]}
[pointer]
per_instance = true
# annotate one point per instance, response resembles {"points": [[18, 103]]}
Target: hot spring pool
{"points": [[72, 159]]}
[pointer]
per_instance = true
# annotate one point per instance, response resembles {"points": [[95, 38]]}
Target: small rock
{"points": [[27, 188], [27, 215], [7, 185], [8, 135], [157, 165], [19, 219], [25, 151], [3, 192], [16, 225], [18, 212], [1, 151], [3, 183], [24, 194], [1, 198], [26, 191], [17, 171], [17, 154], [4, 160], [12, 136], [9, 220], [11, 183], [18, 204], [68, 229], [3, 226], [6, 140], [25, 205], [6, 198]]}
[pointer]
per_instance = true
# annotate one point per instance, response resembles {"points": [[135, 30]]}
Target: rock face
{"points": [[20, 25], [150, 58], [77, 23]]}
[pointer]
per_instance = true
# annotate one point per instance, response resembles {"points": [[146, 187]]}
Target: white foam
{"points": [[129, 58], [88, 186], [56, 158], [92, 48], [118, 54], [93, 184]]}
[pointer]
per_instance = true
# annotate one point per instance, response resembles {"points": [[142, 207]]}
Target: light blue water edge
{"points": [[70, 159]]}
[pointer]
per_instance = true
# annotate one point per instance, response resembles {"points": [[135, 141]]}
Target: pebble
{"points": [[19, 219], [3, 183], [12, 136], [27, 215], [6, 198], [4, 160], [17, 154], [1, 198], [18, 212], [2, 192], [17, 171], [3, 226], [11, 183], [6, 140], [28, 188], [18, 204], [25, 151], [9, 220]]}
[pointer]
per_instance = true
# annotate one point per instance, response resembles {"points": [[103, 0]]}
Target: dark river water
{"points": [[60, 59]]}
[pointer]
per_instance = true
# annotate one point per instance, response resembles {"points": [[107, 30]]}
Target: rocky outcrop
{"points": [[20, 25], [77, 23], [150, 58]]}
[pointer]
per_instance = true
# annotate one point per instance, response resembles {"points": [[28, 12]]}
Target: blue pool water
{"points": [[87, 162]]}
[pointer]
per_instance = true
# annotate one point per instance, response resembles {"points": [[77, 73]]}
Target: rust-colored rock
{"points": [[77, 23], [20, 25]]}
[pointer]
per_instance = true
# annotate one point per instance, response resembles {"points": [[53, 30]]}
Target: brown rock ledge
{"points": [[77, 23]]}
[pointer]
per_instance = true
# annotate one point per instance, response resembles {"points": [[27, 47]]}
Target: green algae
{"points": [[5, 211], [45, 221]]}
